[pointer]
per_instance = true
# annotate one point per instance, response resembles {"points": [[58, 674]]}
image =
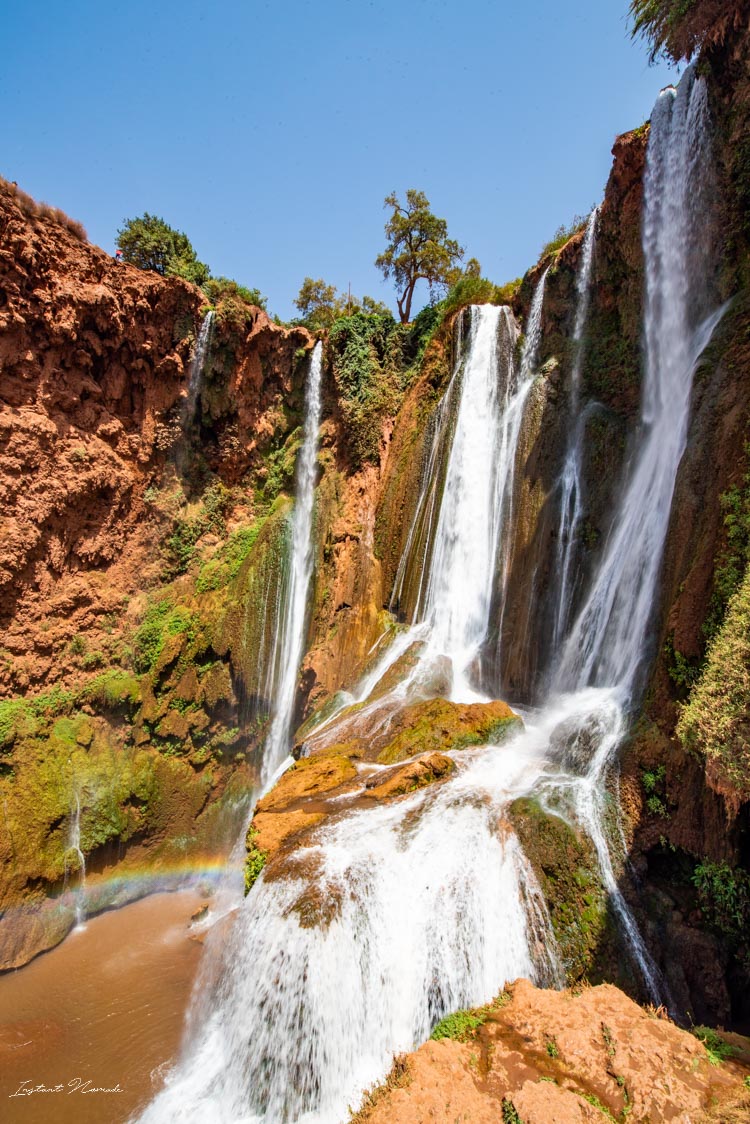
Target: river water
{"points": [[106, 1007]]}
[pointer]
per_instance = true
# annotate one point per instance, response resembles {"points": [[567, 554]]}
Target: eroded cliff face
{"points": [[125, 523]]}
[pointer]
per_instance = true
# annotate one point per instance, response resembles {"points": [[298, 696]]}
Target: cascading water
{"points": [[74, 846], [513, 419], [571, 506], [470, 506], [608, 644], [292, 620], [459, 588], [396, 914], [327, 980], [197, 365]]}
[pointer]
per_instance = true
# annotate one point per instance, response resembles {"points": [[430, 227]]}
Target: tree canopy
{"points": [[321, 304], [151, 243], [418, 249], [679, 28]]}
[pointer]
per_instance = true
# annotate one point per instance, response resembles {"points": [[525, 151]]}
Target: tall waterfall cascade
{"points": [[606, 645], [292, 607], [326, 1006], [428, 904]]}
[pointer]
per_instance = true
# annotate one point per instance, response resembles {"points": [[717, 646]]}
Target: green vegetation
{"points": [[225, 566], [566, 866], [186, 532], [510, 1113], [724, 896], [476, 290], [367, 357], [654, 785], [162, 619], [717, 1049], [224, 292], [714, 720], [594, 1100], [321, 304], [150, 243], [731, 563], [254, 861], [563, 234], [462, 1026], [418, 249], [683, 673], [551, 1047], [679, 28]]}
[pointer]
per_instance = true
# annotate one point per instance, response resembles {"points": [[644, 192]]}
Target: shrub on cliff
{"points": [[228, 296], [367, 361], [715, 720], [321, 304], [151, 243]]}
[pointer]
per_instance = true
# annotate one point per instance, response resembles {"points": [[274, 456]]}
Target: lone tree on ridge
{"points": [[418, 249]]}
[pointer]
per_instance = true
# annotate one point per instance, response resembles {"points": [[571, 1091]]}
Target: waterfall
{"points": [[462, 531], [571, 507], [74, 845], [391, 916], [607, 642], [197, 365], [417, 908], [395, 915], [512, 428], [292, 618], [459, 589]]}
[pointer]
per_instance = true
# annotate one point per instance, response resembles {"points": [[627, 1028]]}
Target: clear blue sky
{"points": [[271, 131]]}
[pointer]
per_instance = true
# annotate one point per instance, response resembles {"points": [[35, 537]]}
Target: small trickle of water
{"points": [[292, 622], [74, 847], [570, 484], [197, 365]]}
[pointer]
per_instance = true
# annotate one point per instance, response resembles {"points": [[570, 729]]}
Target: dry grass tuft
{"points": [[41, 211]]}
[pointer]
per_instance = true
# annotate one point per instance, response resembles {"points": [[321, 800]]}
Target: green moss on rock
{"points": [[565, 863]]}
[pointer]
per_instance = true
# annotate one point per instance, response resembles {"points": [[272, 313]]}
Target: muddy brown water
{"points": [[106, 1007]]}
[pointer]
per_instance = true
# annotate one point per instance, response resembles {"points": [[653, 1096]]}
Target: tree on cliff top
{"points": [[321, 305], [679, 28], [418, 249], [150, 243]]}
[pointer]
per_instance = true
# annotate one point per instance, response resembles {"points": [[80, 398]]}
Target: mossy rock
{"points": [[565, 863], [438, 725]]}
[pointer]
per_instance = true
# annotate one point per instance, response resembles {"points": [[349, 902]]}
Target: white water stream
{"points": [[74, 845], [400, 913], [292, 613], [570, 484], [200, 354]]}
